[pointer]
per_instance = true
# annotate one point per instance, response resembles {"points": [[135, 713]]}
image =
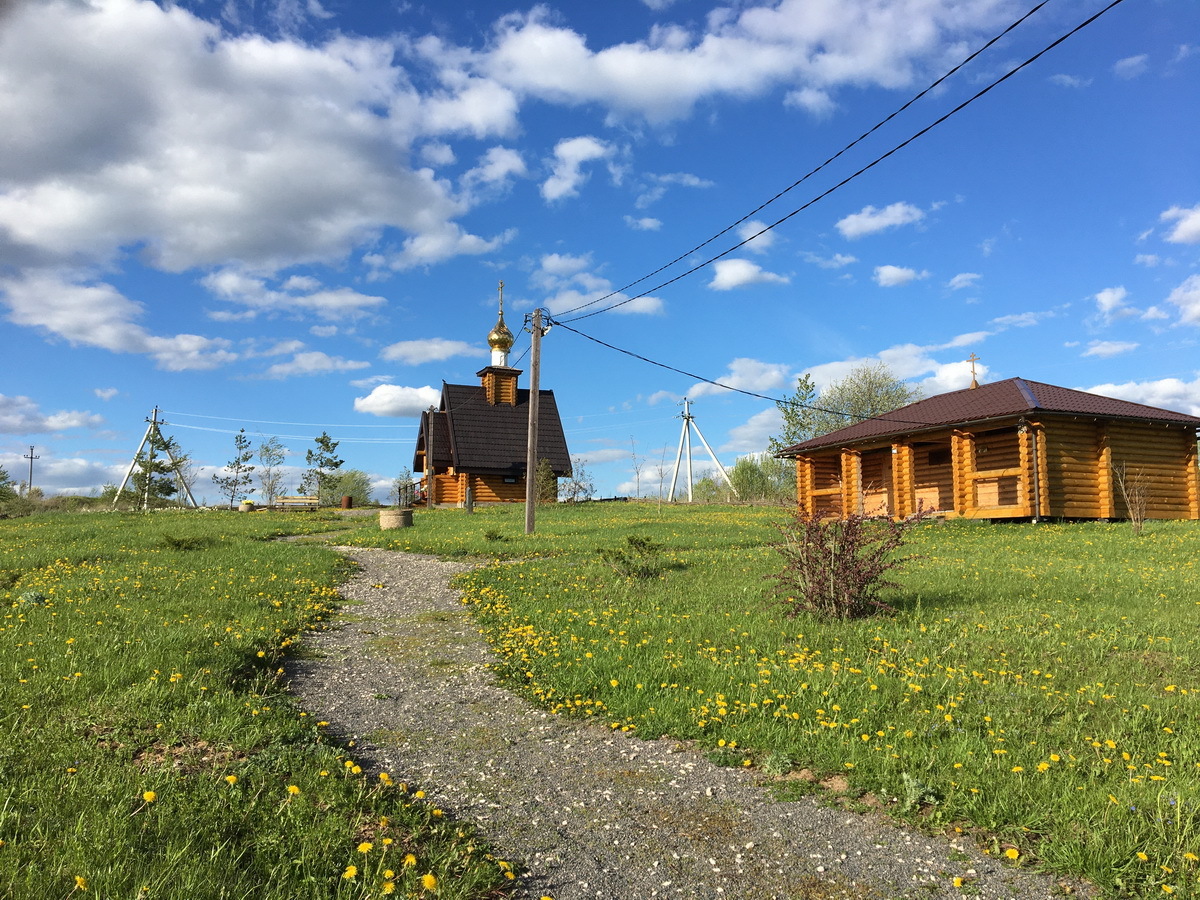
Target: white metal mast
{"points": [[685, 439]]}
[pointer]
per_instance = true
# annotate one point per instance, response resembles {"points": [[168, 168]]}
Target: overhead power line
{"points": [[924, 131], [884, 417]]}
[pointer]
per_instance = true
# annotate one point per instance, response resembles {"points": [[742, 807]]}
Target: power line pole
{"points": [[535, 371], [31, 458], [685, 438]]}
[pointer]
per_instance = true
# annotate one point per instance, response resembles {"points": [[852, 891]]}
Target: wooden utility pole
{"points": [[29, 483], [535, 371]]}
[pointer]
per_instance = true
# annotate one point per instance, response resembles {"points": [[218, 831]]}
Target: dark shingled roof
{"points": [[1012, 397], [476, 437]]}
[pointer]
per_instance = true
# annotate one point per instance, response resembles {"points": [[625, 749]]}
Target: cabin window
{"points": [[939, 457], [509, 479]]}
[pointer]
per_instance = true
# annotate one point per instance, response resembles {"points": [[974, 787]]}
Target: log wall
{"points": [[1060, 467]]}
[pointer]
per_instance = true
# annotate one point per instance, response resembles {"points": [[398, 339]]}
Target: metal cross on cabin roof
{"points": [[972, 359]]}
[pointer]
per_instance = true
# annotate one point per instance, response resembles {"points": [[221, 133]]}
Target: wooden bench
{"points": [[297, 502]]}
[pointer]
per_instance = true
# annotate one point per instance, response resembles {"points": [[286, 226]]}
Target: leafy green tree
{"points": [[236, 477], [354, 483], [762, 477], [579, 484], [707, 490], [11, 502], [869, 390], [156, 478], [271, 454], [545, 483], [402, 488], [7, 491], [321, 477]]}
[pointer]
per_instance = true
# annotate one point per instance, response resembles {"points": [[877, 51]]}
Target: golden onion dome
{"points": [[500, 338]]}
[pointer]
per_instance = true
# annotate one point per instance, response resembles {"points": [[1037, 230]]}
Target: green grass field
{"points": [[1037, 687], [147, 748]]}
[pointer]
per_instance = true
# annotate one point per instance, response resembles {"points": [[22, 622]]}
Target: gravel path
{"points": [[588, 812]]}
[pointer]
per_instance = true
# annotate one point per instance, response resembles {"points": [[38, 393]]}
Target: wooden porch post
{"points": [[804, 484], [1193, 478], [851, 483], [904, 480], [962, 466], [1106, 498]]}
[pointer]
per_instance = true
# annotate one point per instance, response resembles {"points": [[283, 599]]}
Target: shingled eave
{"points": [[994, 402]]}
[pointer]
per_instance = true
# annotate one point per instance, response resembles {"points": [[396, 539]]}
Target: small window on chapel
{"points": [[939, 457]]}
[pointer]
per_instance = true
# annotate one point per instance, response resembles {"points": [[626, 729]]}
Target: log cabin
{"points": [[1013, 449], [472, 447]]}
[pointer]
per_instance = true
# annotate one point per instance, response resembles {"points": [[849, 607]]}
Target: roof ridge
{"points": [[1027, 393]]}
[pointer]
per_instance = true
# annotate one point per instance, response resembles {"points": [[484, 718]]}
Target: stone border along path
{"points": [[587, 812]]}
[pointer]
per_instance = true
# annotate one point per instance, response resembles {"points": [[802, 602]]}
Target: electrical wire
{"points": [[299, 437], [795, 184], [924, 131], [882, 417], [268, 422]]}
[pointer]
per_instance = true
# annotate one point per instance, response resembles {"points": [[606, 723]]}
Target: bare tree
{"points": [[578, 485], [638, 462], [271, 454], [1135, 491]]}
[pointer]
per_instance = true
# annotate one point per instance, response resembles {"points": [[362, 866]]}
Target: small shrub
{"points": [[777, 764], [493, 535], [640, 558], [836, 569]]}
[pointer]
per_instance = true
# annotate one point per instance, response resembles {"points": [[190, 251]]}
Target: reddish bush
{"points": [[835, 569]]}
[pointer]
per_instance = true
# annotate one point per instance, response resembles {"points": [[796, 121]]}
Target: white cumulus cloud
{"points": [[1165, 393], [414, 353], [313, 362], [1105, 349], [395, 400], [871, 220], [1187, 298], [21, 415], [567, 172], [894, 276], [735, 273], [748, 375], [1187, 224]]}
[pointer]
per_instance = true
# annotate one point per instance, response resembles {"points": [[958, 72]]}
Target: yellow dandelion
{"points": [[1012, 852], [420, 795], [409, 860], [366, 847], [1142, 856], [1191, 857], [1168, 889], [389, 887], [232, 779], [389, 874], [429, 881], [350, 873], [437, 813], [958, 882], [80, 883], [356, 770], [149, 796], [293, 790]]}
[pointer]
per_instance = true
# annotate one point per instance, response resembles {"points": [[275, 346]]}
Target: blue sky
{"points": [[292, 216]]}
